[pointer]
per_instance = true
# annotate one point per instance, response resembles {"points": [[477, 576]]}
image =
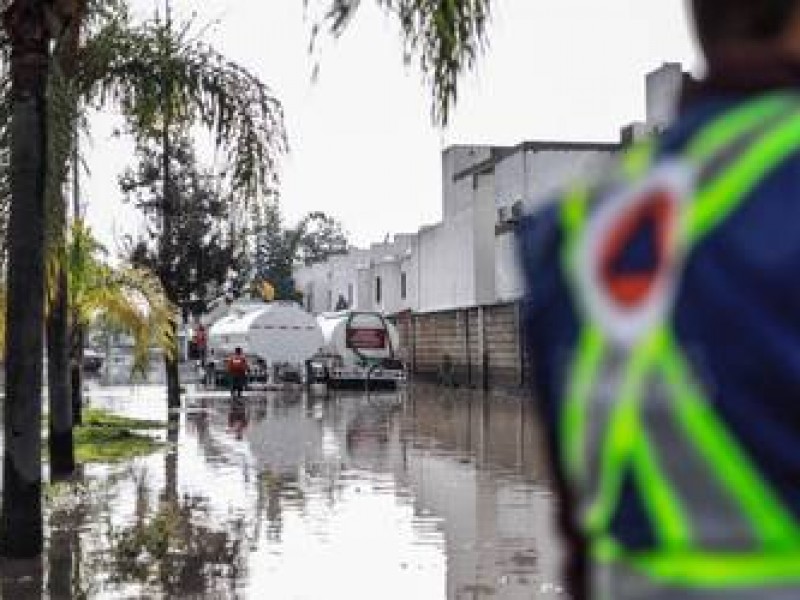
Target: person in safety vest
{"points": [[663, 311], [237, 368]]}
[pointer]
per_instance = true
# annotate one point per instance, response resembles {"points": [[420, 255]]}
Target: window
{"points": [[377, 290], [330, 300], [350, 294], [402, 286]]}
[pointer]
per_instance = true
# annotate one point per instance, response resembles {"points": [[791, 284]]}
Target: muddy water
{"points": [[422, 494]]}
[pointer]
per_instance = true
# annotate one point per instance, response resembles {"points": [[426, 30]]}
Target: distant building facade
{"points": [[469, 258]]}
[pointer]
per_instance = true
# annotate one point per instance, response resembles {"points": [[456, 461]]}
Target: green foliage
{"points": [[158, 72], [105, 437], [198, 252], [314, 239], [111, 444], [96, 417], [127, 297], [446, 36], [318, 237]]}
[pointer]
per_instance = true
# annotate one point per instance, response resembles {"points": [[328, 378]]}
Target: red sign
{"points": [[366, 339]]}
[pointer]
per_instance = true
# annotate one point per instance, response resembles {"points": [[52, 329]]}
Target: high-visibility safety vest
{"points": [[634, 410]]}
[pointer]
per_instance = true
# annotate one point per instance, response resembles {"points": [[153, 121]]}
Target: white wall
{"points": [[663, 88], [483, 240], [470, 257], [535, 176]]}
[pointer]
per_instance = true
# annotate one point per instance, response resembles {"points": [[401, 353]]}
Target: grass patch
{"points": [[111, 444], [106, 437], [97, 417]]}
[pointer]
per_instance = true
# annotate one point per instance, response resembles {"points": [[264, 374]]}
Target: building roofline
{"points": [[502, 153]]}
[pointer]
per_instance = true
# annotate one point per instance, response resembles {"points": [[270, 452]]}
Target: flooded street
{"points": [[421, 494]]}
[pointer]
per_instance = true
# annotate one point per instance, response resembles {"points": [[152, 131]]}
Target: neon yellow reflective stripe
{"points": [[671, 525], [701, 569], [573, 211], [623, 431], [573, 216], [715, 136], [591, 347], [714, 202], [638, 159], [773, 524], [726, 128]]}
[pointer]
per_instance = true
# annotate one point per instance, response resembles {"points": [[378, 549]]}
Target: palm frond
{"points": [[446, 37], [145, 68], [130, 298]]}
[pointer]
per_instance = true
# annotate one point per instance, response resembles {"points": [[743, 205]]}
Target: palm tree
{"points": [[164, 78], [112, 66], [62, 120], [21, 519], [128, 298]]}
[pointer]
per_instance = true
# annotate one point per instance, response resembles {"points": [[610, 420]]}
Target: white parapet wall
{"points": [[469, 258]]}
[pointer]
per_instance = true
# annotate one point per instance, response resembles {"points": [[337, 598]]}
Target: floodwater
{"points": [[421, 494]]}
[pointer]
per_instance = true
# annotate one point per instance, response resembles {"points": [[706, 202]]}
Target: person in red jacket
{"points": [[237, 368], [201, 343]]}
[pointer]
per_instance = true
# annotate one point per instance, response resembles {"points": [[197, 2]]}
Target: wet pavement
{"points": [[420, 494]]}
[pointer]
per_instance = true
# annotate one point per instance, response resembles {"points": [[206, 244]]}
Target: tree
{"points": [[62, 116], [165, 80], [201, 254], [159, 76], [127, 297], [318, 238], [314, 239], [21, 519]]}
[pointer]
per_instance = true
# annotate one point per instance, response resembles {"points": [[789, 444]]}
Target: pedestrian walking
{"points": [[237, 368], [663, 311]]}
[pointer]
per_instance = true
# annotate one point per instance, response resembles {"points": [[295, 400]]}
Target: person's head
{"points": [[722, 24], [238, 350]]}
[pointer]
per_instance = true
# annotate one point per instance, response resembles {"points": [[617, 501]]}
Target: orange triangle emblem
{"points": [[636, 249]]}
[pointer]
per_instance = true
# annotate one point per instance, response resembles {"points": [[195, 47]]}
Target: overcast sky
{"points": [[363, 148]]}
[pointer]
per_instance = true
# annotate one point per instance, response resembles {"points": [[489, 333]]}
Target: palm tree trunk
{"points": [[76, 372], [173, 381], [168, 206], [60, 557], [62, 455], [21, 518]]}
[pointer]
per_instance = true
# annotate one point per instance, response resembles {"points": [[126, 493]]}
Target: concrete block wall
{"points": [[472, 347]]}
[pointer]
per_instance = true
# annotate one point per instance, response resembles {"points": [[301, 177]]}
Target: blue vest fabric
{"points": [[737, 317]]}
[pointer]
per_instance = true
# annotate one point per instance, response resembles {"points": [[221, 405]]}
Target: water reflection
{"points": [[414, 495]]}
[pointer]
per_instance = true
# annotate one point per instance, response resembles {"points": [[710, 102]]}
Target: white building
{"points": [[469, 258], [382, 277]]}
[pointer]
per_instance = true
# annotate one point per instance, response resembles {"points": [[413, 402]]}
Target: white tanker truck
{"points": [[276, 337], [360, 350]]}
